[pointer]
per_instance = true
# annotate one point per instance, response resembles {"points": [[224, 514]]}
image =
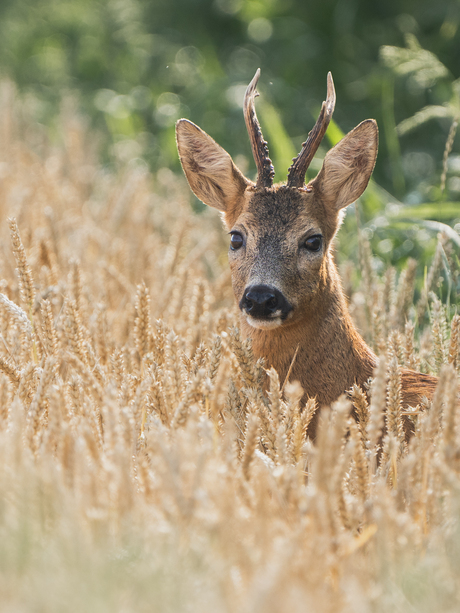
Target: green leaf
{"points": [[422, 116], [421, 64], [446, 211], [282, 149], [334, 134]]}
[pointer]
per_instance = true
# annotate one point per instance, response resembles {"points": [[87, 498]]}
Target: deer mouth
{"points": [[265, 307], [264, 324]]}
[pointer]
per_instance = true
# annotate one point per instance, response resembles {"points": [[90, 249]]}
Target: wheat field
{"points": [[142, 465]]}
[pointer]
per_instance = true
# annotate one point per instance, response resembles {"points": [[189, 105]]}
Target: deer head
{"points": [[281, 235]]}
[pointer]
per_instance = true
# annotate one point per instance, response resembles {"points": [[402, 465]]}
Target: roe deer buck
{"points": [[283, 273]]}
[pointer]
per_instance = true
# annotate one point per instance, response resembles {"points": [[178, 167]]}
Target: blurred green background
{"points": [[135, 66]]}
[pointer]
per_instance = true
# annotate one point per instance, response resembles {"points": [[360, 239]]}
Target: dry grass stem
{"points": [[145, 453]]}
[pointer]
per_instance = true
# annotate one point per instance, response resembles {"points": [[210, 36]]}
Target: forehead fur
{"points": [[280, 208]]}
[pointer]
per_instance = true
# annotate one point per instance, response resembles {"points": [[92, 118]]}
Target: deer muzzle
{"points": [[264, 306]]}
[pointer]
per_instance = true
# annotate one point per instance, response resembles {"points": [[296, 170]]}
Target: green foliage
{"points": [[422, 65], [282, 147], [136, 66]]}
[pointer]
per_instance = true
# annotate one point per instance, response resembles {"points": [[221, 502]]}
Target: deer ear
{"points": [[210, 171], [348, 166]]}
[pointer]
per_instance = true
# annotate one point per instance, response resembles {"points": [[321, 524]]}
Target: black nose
{"points": [[263, 301]]}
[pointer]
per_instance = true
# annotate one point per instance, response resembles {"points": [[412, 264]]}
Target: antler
{"points": [[265, 170], [300, 164]]}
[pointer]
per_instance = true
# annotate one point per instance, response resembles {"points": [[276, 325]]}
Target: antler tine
{"points": [[300, 164], [265, 170]]}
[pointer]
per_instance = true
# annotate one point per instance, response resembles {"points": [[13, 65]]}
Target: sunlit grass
{"points": [[143, 466]]}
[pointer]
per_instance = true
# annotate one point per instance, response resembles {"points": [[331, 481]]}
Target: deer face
{"points": [[280, 246], [278, 254]]}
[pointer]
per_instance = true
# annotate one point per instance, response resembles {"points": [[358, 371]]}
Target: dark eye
{"points": [[313, 243], [236, 241]]}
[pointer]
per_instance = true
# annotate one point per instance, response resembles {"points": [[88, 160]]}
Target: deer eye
{"points": [[236, 241], [313, 243]]}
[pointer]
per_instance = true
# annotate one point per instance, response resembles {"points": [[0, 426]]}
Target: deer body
{"points": [[284, 278]]}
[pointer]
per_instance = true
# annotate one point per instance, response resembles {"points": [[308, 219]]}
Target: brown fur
{"points": [[416, 385], [274, 222]]}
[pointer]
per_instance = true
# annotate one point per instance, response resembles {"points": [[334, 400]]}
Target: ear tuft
{"points": [[210, 171], [348, 166]]}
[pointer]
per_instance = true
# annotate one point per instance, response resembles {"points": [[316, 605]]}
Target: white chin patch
{"points": [[263, 324]]}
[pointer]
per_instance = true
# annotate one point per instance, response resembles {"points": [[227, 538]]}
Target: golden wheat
{"points": [[145, 462]]}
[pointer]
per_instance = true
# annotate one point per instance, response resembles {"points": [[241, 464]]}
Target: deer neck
{"points": [[331, 355]]}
